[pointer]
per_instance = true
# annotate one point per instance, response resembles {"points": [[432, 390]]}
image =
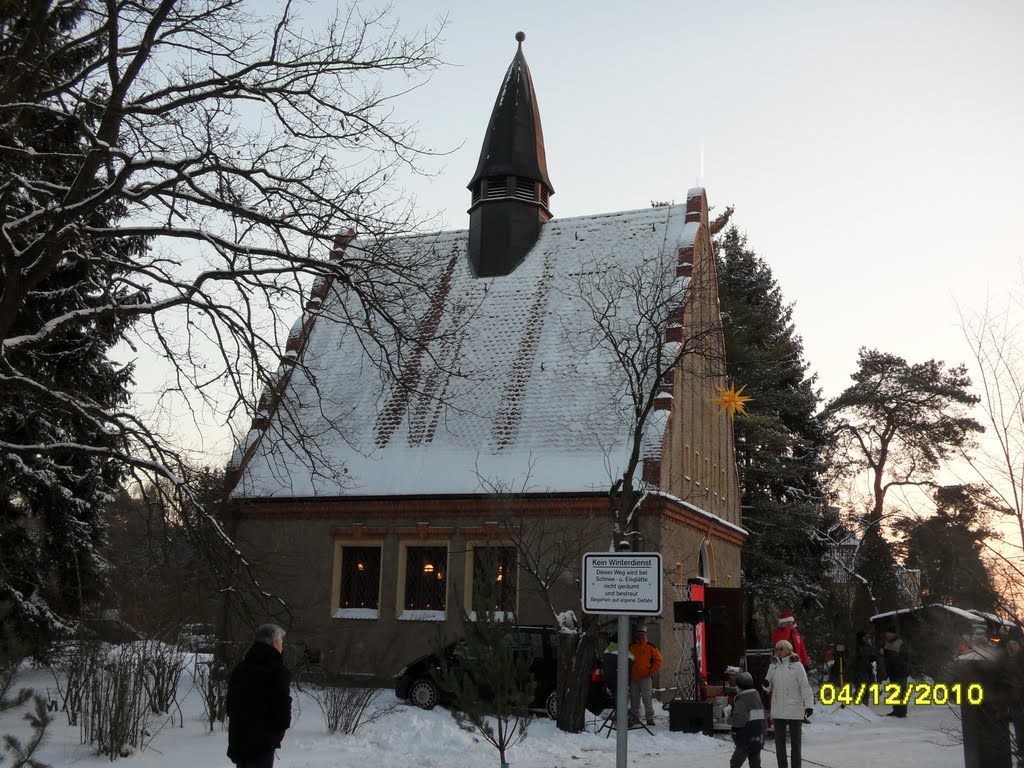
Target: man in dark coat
{"points": [[753, 631], [862, 671], [894, 657], [259, 704]]}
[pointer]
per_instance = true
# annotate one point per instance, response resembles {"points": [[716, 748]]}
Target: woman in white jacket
{"points": [[792, 700]]}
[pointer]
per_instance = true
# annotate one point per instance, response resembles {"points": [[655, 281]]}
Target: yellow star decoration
{"points": [[732, 400]]}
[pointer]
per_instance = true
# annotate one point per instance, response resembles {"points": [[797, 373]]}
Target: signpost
{"points": [[622, 584]]}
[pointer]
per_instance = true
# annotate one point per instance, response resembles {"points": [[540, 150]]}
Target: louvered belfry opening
{"points": [[514, 187], [510, 189]]}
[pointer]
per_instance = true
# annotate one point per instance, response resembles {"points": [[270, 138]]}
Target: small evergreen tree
{"points": [[489, 676], [39, 718], [12, 652]]}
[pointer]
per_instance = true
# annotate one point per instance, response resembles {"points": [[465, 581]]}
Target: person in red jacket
{"points": [[787, 631]]}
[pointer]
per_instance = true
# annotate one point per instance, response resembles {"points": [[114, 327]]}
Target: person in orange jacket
{"points": [[787, 631], [646, 663]]}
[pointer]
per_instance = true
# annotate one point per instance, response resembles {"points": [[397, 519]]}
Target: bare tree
{"points": [[994, 336], [634, 311], [551, 554], [635, 314], [160, 555], [205, 164]]}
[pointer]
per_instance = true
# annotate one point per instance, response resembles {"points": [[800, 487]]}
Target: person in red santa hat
{"points": [[787, 631]]}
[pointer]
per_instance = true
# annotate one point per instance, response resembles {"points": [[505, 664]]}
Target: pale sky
{"points": [[872, 150]]}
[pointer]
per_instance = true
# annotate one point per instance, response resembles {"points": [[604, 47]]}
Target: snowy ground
{"points": [[839, 738]]}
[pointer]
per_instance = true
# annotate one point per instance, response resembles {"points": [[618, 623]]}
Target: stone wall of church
{"points": [[700, 465], [298, 547]]}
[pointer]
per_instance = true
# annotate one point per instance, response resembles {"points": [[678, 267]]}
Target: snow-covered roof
{"points": [[972, 615], [512, 395]]}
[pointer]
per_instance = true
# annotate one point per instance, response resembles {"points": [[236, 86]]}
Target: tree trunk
{"points": [[576, 653]]}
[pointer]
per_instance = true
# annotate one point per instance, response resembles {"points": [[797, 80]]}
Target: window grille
{"points": [[360, 577], [494, 579]]}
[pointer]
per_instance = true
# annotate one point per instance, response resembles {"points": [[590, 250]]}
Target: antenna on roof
{"points": [[700, 165]]}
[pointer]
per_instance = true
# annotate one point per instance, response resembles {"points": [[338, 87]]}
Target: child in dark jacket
{"points": [[747, 721]]}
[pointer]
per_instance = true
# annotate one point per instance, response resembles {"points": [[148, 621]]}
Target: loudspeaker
{"points": [[691, 717], [716, 615], [688, 611]]}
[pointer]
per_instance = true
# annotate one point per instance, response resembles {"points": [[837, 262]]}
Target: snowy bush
{"points": [[164, 665], [117, 710], [73, 672], [346, 708], [211, 679]]}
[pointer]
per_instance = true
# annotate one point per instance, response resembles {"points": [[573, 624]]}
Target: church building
{"points": [[386, 488]]}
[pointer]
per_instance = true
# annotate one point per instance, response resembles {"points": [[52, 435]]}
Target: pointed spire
{"points": [[510, 189], [514, 142]]}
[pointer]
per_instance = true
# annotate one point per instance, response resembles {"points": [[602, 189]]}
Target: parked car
{"points": [[416, 682], [109, 627]]}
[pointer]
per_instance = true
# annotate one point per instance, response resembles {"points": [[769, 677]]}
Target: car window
{"points": [[461, 651], [532, 642]]}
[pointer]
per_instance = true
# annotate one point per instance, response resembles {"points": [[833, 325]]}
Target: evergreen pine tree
{"points": [[779, 440], [878, 575], [896, 424], [947, 547], [55, 392]]}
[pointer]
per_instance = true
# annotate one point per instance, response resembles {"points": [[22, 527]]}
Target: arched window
{"points": [[704, 563]]}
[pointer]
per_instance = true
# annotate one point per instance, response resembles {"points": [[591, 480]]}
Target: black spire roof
{"points": [[514, 141]]}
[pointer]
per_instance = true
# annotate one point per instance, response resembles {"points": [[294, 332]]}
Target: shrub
{"points": [[346, 708]]}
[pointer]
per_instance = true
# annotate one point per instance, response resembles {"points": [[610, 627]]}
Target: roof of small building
{"points": [[512, 393], [968, 614]]}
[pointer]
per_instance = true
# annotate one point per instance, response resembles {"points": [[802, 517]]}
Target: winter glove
{"points": [[808, 712]]}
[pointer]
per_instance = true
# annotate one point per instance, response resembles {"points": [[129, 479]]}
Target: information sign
{"points": [[622, 583]]}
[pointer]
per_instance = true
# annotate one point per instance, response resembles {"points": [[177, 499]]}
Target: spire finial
{"points": [[520, 37]]}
